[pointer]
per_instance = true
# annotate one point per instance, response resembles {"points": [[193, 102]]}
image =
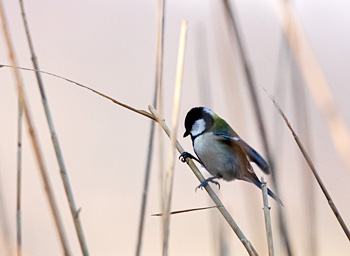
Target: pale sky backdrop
{"points": [[111, 47]]}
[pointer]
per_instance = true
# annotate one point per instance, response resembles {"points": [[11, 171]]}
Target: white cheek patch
{"points": [[207, 110], [198, 127]]}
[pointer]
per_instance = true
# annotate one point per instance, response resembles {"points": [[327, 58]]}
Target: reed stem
{"points": [[169, 178], [55, 142], [158, 104], [314, 171], [34, 139], [267, 217]]}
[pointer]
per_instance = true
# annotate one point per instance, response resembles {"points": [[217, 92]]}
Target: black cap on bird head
{"points": [[195, 114]]}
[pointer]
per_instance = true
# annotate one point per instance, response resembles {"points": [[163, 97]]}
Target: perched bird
{"points": [[220, 150]]}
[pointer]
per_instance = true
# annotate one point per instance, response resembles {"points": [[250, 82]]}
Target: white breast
{"points": [[216, 156]]}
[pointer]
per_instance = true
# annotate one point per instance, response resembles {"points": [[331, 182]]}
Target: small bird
{"points": [[220, 150]]}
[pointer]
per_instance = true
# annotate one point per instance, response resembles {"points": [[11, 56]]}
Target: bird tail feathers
{"points": [[269, 192]]}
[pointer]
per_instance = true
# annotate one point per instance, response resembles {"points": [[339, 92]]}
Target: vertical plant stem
{"points": [[145, 190], [170, 173], [267, 218], [34, 140], [160, 50], [258, 115], [158, 104], [19, 179], [55, 142], [146, 182]]}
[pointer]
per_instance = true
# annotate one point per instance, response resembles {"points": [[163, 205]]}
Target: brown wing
{"points": [[250, 153]]}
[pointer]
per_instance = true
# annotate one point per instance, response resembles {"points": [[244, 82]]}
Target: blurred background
{"points": [[111, 46]]}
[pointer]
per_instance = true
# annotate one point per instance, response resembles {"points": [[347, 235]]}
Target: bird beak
{"points": [[186, 134]]}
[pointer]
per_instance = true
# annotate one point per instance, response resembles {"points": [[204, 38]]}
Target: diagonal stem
{"points": [[314, 171]]}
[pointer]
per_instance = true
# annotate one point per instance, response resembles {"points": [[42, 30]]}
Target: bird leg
{"points": [[206, 181], [184, 155]]}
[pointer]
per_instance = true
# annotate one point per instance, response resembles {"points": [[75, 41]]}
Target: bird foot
{"points": [[184, 155], [205, 182]]}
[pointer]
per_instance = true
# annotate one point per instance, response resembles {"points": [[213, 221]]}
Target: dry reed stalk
{"points": [[139, 111], [157, 102], [313, 169], [258, 115], [34, 140], [169, 178], [159, 106], [267, 217], [159, 99], [315, 78], [160, 55], [160, 50], [155, 116], [19, 180], [55, 142], [145, 189]]}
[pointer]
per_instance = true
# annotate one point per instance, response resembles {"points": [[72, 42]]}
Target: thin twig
{"points": [[141, 112], [187, 210], [313, 169], [55, 142], [169, 178], [267, 218], [34, 140]]}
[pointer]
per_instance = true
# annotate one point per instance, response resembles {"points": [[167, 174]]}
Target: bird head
{"points": [[198, 121]]}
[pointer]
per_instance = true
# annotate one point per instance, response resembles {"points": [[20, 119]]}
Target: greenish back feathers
{"points": [[220, 126]]}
